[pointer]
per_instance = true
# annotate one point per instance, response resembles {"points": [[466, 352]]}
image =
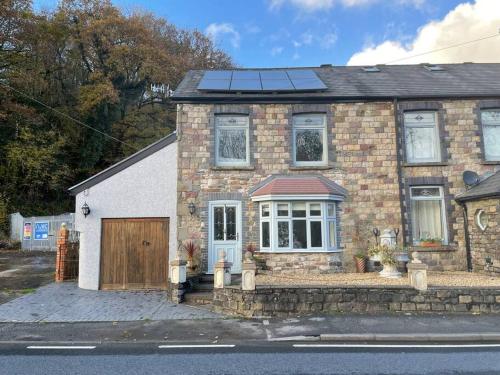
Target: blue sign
{"points": [[42, 230]]}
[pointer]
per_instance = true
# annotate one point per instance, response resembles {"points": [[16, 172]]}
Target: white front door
{"points": [[224, 231]]}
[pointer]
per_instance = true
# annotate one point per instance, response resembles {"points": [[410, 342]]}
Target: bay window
{"points": [[310, 143], [428, 215], [490, 120], [297, 226], [231, 140], [422, 137]]}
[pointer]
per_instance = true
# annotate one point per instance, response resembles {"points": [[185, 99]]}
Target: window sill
{"points": [[429, 164], [490, 162], [302, 251], [310, 167], [233, 168], [438, 248]]}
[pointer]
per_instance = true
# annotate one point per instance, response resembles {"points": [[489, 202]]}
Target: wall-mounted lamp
{"points": [[85, 209], [191, 208]]}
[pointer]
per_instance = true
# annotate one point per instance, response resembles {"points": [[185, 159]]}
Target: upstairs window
{"points": [[490, 120], [310, 143], [422, 137], [428, 215], [231, 140]]}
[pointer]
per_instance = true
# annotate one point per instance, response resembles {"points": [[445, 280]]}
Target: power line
{"points": [[66, 116], [444, 48]]}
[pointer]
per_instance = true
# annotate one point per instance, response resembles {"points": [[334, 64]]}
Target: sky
{"points": [[280, 33]]}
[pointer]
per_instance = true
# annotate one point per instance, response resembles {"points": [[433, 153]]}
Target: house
{"points": [[303, 163]]}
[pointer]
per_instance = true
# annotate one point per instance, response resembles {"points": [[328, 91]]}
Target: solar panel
{"points": [[308, 84], [246, 74], [245, 85], [217, 74], [273, 74], [277, 85], [214, 84], [265, 80]]}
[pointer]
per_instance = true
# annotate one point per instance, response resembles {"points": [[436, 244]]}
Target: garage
{"points": [[134, 253], [126, 217]]}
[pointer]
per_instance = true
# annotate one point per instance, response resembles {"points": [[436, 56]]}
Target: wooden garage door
{"points": [[134, 253]]}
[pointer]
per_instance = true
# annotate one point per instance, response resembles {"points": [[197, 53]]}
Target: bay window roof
{"points": [[286, 186]]}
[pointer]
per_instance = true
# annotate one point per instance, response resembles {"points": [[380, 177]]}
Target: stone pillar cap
{"points": [[178, 262], [248, 265], [417, 266], [223, 264]]}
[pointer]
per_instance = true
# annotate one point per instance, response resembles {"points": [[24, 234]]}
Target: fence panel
{"points": [[43, 233]]}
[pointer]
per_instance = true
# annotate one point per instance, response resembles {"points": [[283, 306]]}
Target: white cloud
{"points": [[252, 29], [328, 40], [468, 21], [306, 38], [296, 56], [276, 51], [219, 31], [318, 5]]}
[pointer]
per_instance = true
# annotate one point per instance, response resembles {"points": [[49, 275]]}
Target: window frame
{"points": [[483, 125], [265, 219], [436, 140], [245, 127], [444, 222], [274, 219], [297, 127]]}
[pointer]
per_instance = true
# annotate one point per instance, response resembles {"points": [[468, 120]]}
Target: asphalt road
{"points": [[256, 358]]}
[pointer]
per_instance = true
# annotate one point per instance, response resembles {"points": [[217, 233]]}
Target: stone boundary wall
{"points": [[289, 301]]}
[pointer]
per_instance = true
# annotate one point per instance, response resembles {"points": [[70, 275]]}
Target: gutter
{"points": [[399, 145]]}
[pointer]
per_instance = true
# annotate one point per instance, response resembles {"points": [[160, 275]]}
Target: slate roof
{"points": [[488, 188], [293, 185], [125, 163], [352, 82]]}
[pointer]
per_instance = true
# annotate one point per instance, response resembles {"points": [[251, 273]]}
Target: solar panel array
{"points": [[257, 81]]}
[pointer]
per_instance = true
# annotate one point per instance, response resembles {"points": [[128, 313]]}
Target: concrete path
{"points": [[67, 303]]}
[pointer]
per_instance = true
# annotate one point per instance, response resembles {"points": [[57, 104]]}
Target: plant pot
{"points": [[429, 244], [360, 264], [390, 271]]}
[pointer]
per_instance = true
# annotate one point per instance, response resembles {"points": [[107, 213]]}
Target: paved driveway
{"points": [[66, 302]]}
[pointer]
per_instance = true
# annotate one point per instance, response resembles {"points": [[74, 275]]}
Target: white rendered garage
{"points": [[140, 189]]}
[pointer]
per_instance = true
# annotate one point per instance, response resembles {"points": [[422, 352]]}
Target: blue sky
{"points": [[271, 33]]}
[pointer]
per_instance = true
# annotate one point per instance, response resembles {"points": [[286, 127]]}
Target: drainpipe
{"points": [[467, 239], [399, 170]]}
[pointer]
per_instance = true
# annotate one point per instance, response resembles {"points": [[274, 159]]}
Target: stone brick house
{"points": [[306, 174], [482, 208], [302, 163]]}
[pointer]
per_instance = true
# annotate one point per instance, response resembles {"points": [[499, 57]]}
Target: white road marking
{"points": [[265, 322], [196, 346], [59, 347], [396, 346]]}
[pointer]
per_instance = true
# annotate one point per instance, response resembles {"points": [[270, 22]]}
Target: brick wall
{"points": [[291, 301], [366, 156], [485, 244]]}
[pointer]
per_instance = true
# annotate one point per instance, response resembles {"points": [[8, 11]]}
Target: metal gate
{"points": [[40, 232]]}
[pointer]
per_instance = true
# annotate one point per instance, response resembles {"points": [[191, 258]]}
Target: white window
{"points": [[491, 134], [422, 137], [428, 215], [310, 145], [298, 226], [231, 140]]}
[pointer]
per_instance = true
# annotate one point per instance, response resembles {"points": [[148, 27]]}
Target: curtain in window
{"points": [[427, 220]]}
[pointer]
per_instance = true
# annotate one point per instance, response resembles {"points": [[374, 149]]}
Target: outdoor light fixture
{"points": [[85, 209], [191, 208]]}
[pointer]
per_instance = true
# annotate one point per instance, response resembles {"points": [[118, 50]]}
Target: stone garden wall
{"points": [[290, 301]]}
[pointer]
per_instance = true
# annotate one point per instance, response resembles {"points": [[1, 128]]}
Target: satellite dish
{"points": [[470, 178]]}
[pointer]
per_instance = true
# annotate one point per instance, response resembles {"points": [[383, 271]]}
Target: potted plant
{"points": [[430, 242], [360, 262], [374, 252], [191, 249], [402, 257], [389, 262]]}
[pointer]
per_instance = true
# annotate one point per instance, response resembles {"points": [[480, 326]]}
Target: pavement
{"points": [[344, 328], [65, 302]]}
